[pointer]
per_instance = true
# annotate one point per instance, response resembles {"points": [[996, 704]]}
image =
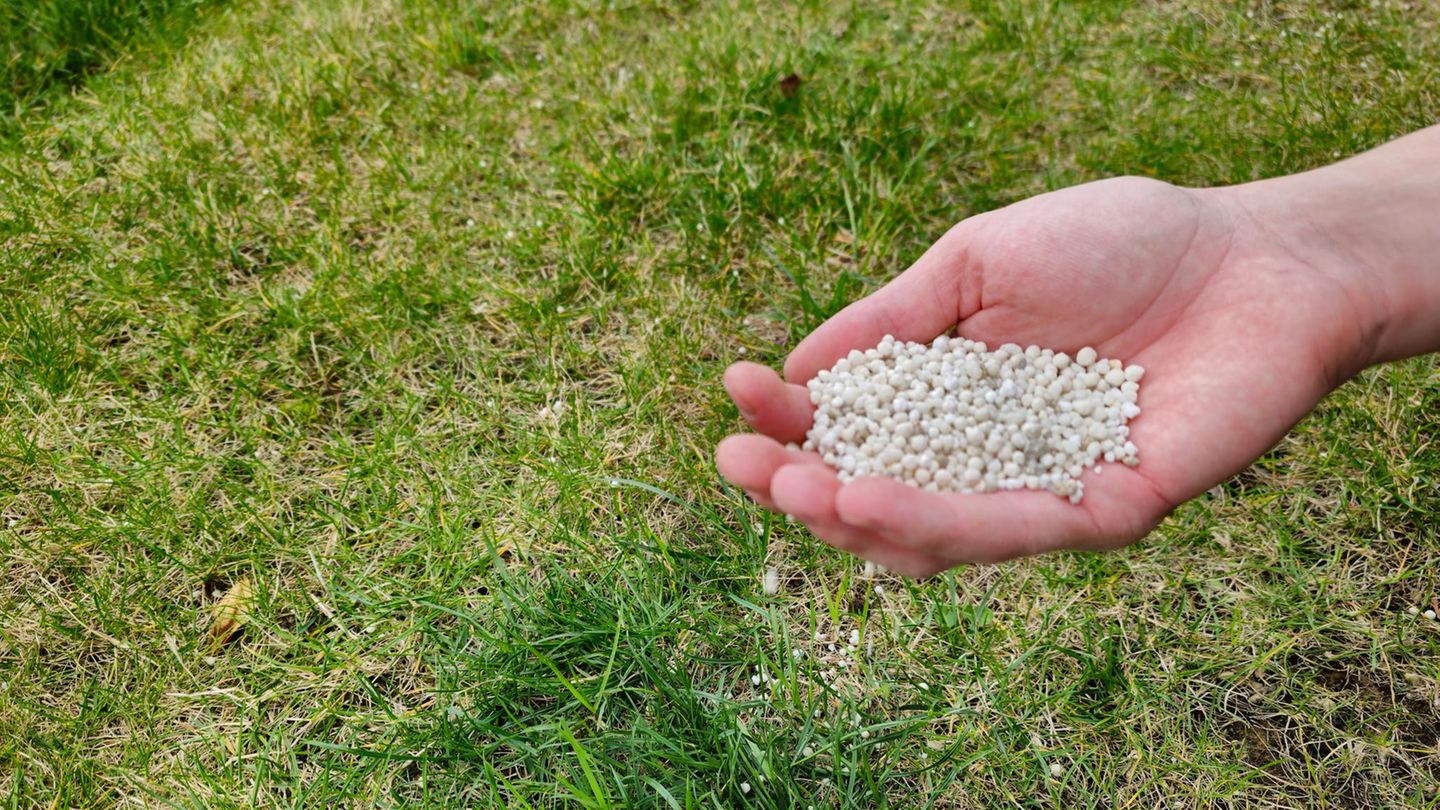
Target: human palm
{"points": [[1239, 338]]}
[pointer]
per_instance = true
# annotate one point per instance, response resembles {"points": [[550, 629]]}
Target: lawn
{"points": [[50, 44], [394, 330]]}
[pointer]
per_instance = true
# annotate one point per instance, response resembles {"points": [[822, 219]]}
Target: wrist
{"points": [[1370, 228]]}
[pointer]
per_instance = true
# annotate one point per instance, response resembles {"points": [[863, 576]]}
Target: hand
{"points": [[1239, 338]]}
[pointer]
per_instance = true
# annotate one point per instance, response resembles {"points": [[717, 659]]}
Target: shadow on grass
{"points": [[49, 46]]}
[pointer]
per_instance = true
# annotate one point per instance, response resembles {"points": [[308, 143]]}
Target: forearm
{"points": [[1373, 220]]}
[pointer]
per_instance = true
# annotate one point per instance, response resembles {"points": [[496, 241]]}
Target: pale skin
{"points": [[1246, 305]]}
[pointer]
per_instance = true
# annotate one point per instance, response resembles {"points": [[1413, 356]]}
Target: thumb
{"points": [[919, 304]]}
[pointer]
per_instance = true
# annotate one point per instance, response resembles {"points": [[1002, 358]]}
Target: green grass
{"points": [[49, 45], [413, 314]]}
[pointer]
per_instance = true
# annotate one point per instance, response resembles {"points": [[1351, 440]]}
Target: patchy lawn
{"points": [[402, 324]]}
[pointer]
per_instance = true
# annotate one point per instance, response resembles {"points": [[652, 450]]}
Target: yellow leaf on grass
{"points": [[231, 612]]}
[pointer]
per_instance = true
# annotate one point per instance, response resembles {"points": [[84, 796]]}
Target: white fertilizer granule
{"points": [[956, 417], [771, 582]]}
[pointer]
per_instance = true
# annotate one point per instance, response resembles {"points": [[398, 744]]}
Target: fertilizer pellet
{"points": [[954, 416], [771, 583]]}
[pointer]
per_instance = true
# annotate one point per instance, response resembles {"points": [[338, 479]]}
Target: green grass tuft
{"points": [[48, 46]]}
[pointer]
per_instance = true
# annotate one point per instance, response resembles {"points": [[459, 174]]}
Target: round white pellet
{"points": [[954, 417]]}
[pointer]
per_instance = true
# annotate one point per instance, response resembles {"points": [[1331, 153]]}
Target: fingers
{"points": [[800, 484], [872, 547], [762, 498], [908, 530], [919, 305], [918, 533], [808, 492], [757, 463], [965, 528], [749, 461], [768, 403]]}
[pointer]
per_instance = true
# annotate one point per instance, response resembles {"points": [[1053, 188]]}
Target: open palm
{"points": [[1238, 336]]}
